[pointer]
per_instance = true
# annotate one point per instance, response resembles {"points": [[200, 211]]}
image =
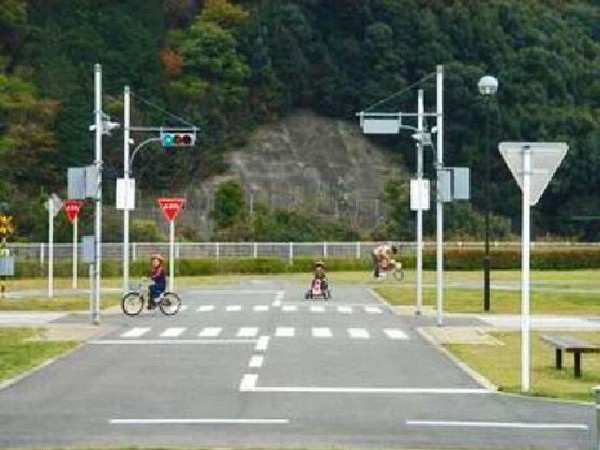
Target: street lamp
{"points": [[488, 86]]}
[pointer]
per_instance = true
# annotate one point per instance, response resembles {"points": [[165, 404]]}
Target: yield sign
{"points": [[545, 159], [171, 206], [72, 208]]}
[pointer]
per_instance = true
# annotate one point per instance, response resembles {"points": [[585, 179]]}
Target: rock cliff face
{"points": [[314, 162], [307, 162]]}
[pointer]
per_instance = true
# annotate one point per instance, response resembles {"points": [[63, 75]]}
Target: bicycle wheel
{"points": [[132, 303], [170, 304], [398, 273]]}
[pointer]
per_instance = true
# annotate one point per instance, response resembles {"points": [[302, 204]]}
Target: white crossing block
{"points": [[172, 332], [285, 332], [394, 333], [247, 332], [373, 310], [206, 308], [358, 333], [345, 309], [136, 332], [317, 309], [289, 308], [233, 308], [321, 332], [256, 361], [210, 332], [260, 308]]}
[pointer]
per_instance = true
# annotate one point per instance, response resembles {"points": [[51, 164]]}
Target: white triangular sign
{"points": [[545, 159]]}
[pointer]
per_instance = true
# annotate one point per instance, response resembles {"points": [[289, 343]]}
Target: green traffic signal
{"points": [[177, 139]]}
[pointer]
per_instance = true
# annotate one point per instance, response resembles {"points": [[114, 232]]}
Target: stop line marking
{"points": [[525, 425], [199, 421]]}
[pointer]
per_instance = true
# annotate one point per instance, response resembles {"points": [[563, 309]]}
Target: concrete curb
{"points": [[457, 362], [12, 381]]}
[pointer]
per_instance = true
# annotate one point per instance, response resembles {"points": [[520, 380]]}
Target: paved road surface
{"points": [[259, 366]]}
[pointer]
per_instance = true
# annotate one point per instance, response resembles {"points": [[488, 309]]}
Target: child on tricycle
{"points": [[319, 286]]}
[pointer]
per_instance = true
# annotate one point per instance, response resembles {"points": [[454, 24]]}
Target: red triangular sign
{"points": [[171, 207], [72, 208]]}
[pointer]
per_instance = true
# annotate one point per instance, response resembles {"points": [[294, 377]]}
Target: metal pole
{"points": [[419, 280], [75, 222], [486, 190], [439, 205], [98, 162], [50, 248], [525, 243], [171, 255], [91, 271], [597, 394], [126, 126]]}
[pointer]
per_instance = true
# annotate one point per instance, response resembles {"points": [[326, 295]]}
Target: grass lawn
{"points": [[18, 353], [58, 303], [501, 301], [501, 365]]}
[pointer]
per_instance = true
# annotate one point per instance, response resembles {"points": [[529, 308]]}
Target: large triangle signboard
{"points": [[171, 207], [545, 159]]}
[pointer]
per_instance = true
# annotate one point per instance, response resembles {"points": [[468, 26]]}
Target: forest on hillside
{"points": [[229, 66]]}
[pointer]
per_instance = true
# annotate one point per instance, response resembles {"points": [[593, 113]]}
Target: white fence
{"points": [[284, 250]]}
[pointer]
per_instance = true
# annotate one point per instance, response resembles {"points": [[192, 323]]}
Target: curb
{"points": [[457, 362], [12, 381]]}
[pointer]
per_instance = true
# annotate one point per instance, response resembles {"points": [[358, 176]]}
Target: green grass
{"points": [[501, 365], [59, 303], [501, 301], [18, 353]]}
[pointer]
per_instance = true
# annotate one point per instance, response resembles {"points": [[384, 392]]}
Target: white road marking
{"points": [[210, 332], [171, 341], [373, 310], [231, 308], [285, 332], [548, 426], [183, 308], [394, 333], [345, 309], [247, 332], [358, 333], [136, 332], [276, 303], [199, 421], [173, 332], [248, 382], [262, 344], [206, 308], [341, 390], [321, 332], [289, 308], [317, 309], [260, 308], [256, 361]]}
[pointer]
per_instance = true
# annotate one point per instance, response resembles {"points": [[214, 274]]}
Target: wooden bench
{"points": [[570, 345]]}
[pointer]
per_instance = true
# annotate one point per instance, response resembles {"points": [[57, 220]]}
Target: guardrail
{"points": [[284, 250]]}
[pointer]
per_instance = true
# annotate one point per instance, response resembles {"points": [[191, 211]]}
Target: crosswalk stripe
{"points": [[289, 308], [358, 333], [183, 308], [317, 309], [394, 333], [345, 309], [373, 309], [206, 308], [210, 332], [321, 332], [285, 332], [136, 332], [247, 332], [231, 308], [256, 361], [260, 308], [172, 332]]}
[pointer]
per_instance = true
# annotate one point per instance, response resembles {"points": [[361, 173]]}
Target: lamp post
{"points": [[488, 86]]}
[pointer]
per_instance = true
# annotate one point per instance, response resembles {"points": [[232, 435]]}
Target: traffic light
{"points": [[177, 139]]}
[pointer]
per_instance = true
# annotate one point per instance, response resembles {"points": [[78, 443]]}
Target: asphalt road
{"points": [[256, 365]]}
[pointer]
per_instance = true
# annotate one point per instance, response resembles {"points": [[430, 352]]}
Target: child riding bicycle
{"points": [[157, 274]]}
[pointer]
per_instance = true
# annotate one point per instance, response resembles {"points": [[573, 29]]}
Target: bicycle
{"points": [[394, 269], [133, 302]]}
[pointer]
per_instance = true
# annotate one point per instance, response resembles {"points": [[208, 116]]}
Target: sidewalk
{"points": [[28, 293]]}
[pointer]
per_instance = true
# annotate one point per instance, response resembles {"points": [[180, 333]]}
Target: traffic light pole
{"points": [[98, 223], [126, 126]]}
